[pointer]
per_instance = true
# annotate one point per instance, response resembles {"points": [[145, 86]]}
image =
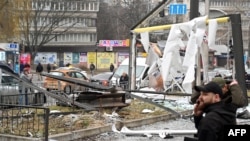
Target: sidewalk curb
{"points": [[80, 134]]}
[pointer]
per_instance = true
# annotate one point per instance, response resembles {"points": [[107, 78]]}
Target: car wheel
{"points": [[67, 89]]}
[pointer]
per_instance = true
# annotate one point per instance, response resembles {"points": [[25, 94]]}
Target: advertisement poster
{"points": [[92, 58], [121, 57], [75, 58], [25, 58], [45, 58], [67, 56], [83, 57], [104, 59]]}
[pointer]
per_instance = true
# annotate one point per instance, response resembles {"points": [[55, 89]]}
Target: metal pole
{"points": [[238, 52], [194, 9], [132, 64], [46, 124], [207, 7], [194, 12]]}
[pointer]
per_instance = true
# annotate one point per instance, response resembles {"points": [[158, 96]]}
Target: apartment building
{"points": [[70, 45], [222, 7], [227, 7], [82, 36]]}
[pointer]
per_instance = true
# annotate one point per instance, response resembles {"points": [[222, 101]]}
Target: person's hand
{"points": [[198, 108], [234, 82]]}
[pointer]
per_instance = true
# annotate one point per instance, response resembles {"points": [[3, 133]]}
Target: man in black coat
{"points": [[92, 68], [124, 80], [39, 70], [112, 67], [48, 67], [211, 113]]}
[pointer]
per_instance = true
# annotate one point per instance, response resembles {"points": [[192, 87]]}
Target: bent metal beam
{"points": [[167, 27]]}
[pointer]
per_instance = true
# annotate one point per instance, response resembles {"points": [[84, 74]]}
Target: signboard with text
{"points": [[114, 43]]}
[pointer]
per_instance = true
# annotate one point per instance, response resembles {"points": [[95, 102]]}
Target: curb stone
{"points": [[80, 134]]}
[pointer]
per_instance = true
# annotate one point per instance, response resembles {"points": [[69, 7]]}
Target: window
{"points": [[96, 6], [34, 5], [91, 6], [87, 6], [78, 6], [62, 4], [83, 6], [80, 76]]}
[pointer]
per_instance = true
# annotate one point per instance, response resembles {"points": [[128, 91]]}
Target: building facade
{"points": [[79, 45], [222, 7], [78, 19], [82, 14]]}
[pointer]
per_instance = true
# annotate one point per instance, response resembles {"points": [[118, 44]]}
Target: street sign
{"points": [[177, 9], [13, 47]]}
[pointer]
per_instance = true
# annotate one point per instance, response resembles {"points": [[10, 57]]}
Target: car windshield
{"points": [[124, 68], [80, 75]]}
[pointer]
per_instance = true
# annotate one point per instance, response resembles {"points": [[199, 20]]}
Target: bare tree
{"points": [[115, 21], [105, 24], [41, 21], [8, 22]]}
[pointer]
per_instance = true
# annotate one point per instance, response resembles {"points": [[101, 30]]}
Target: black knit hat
{"points": [[210, 87]]}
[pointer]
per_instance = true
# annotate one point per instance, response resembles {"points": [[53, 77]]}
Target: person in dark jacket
{"points": [[48, 67], [39, 70], [92, 68], [211, 114], [112, 67], [124, 80]]}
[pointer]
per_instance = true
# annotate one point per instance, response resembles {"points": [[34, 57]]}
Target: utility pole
{"points": [[207, 6], [194, 12], [186, 17]]}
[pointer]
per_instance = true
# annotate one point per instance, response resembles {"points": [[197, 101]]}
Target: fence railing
{"points": [[37, 99], [26, 121]]}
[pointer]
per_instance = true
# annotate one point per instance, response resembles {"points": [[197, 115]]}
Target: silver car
{"points": [[74, 68], [9, 89]]}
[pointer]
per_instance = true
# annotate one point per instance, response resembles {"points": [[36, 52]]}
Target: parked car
{"points": [[9, 85], [8, 88], [102, 78], [74, 68], [63, 86], [225, 73]]}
